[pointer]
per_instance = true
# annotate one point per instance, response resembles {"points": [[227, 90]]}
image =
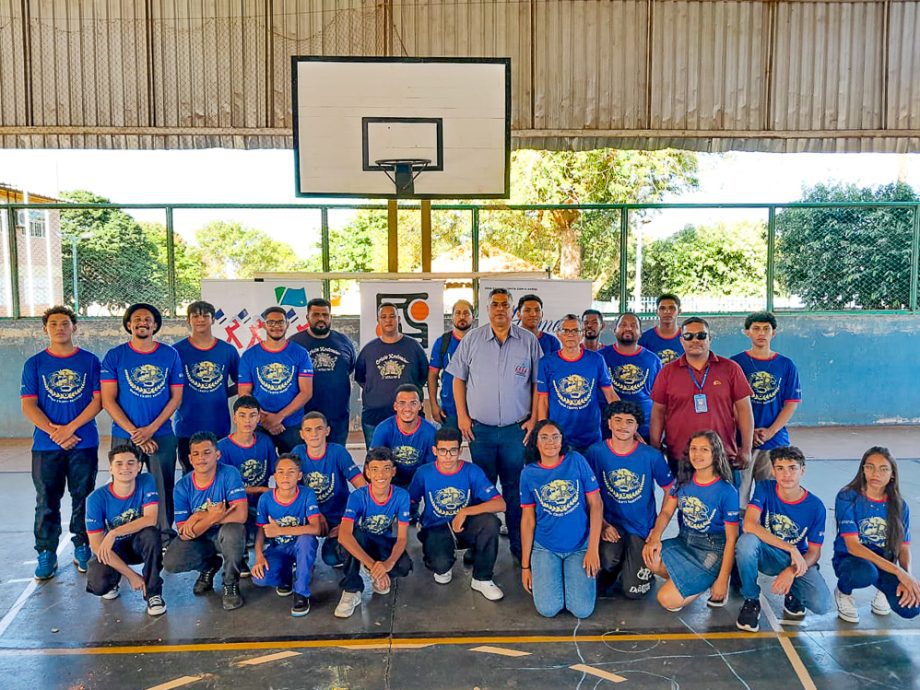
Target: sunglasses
{"points": [[702, 335]]}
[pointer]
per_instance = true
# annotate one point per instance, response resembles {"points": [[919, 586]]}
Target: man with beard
{"points": [[664, 339], [633, 369], [142, 385], [443, 408], [530, 313], [333, 356], [280, 376], [593, 323]]}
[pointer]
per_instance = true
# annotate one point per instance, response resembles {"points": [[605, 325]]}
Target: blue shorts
{"points": [[693, 561]]}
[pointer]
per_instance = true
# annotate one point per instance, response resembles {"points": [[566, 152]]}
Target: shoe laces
{"points": [[46, 557], [231, 590]]}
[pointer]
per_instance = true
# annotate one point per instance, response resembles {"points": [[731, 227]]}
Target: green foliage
{"points": [[189, 263], [847, 258], [230, 250]]}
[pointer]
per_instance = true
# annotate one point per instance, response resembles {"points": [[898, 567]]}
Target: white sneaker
{"points": [[111, 594], [880, 605], [444, 578], [156, 605], [488, 589], [846, 607], [347, 604], [378, 589]]}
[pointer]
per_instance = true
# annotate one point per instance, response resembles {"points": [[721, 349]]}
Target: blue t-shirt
{"points": [[328, 476], [775, 382], [275, 377], [333, 360], [632, 377], [294, 514], [410, 450], [208, 376], [445, 494], [626, 482], [800, 523], [106, 510], [858, 514], [549, 343], [255, 463], [558, 495], [64, 387], [377, 518], [227, 486], [706, 508], [144, 381], [439, 363], [573, 388], [667, 349]]}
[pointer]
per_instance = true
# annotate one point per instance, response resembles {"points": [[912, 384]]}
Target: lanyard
{"points": [[699, 386]]}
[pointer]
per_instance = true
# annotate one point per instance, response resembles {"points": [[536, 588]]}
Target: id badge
{"points": [[699, 403]]}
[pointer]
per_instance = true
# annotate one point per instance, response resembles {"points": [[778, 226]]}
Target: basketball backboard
{"points": [[355, 116]]}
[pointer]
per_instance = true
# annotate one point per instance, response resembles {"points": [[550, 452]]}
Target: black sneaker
{"points": [[284, 590], [749, 617], [301, 606], [232, 597], [244, 567], [205, 581], [793, 611]]}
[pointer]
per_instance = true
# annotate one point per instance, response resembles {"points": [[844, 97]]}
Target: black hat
{"points": [[157, 318]]}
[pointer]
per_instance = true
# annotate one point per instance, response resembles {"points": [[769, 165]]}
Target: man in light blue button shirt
{"points": [[495, 372]]}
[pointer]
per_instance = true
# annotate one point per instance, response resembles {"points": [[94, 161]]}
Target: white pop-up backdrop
{"points": [[419, 304], [560, 297]]}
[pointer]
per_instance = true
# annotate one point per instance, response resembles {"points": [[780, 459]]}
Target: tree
{"points": [[230, 250], [839, 258], [189, 263]]}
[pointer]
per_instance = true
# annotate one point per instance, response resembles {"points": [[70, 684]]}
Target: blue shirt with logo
{"points": [[706, 508], [411, 450], [800, 522], [144, 381], [328, 476], [632, 377], [549, 343], [106, 510], [296, 513], [333, 359], [209, 374], [275, 377], [626, 485], [255, 463], [445, 494], [775, 382], [558, 495], [667, 349], [377, 518], [573, 388], [439, 362], [226, 487], [858, 514], [64, 386]]}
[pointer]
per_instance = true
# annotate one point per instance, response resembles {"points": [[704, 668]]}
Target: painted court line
{"points": [[177, 683], [800, 671], [277, 656], [590, 670], [387, 645], [10, 616], [500, 651]]}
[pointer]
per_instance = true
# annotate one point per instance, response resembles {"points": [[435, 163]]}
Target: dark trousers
{"points": [[338, 430], [499, 451], [479, 533], [162, 465], [51, 471], [287, 440], [204, 552], [856, 573], [184, 450], [378, 547], [623, 559], [331, 553], [144, 547]]}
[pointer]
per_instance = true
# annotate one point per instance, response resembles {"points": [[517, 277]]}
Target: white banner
{"points": [[240, 303], [560, 297], [419, 304]]}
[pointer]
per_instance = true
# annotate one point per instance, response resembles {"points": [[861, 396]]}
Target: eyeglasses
{"points": [[549, 438], [275, 322], [569, 331], [702, 335], [444, 452]]}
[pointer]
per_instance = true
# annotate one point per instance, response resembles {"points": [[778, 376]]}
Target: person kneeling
{"points": [[783, 533], [121, 522], [449, 486], [211, 510], [561, 520], [366, 532]]}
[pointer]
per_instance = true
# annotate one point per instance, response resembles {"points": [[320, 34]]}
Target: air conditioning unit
{"points": [[22, 218]]}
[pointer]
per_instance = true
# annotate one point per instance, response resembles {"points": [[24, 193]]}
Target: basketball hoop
{"points": [[402, 172]]}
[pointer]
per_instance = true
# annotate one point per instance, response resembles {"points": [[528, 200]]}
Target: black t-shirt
{"points": [[333, 363], [382, 368]]}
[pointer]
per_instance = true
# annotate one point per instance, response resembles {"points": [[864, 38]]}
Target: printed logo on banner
{"points": [[413, 309]]}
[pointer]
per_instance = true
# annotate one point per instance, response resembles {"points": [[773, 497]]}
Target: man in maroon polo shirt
{"points": [[698, 391]]}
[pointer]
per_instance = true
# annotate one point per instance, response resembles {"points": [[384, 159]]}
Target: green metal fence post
{"points": [[475, 251], [171, 261], [15, 310], [624, 259], [915, 260], [324, 247], [771, 254]]}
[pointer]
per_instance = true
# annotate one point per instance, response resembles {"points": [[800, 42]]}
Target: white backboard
{"points": [[350, 112]]}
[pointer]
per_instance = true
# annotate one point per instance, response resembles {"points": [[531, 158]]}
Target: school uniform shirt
{"points": [[775, 381], [255, 462], [209, 373], [632, 377], [706, 508], [144, 382], [63, 386], [439, 363], [626, 483], [333, 360], [106, 510], [328, 476], [800, 522], [858, 514], [377, 518], [226, 486], [573, 389], [558, 496], [446, 493], [275, 377], [411, 450], [549, 343], [667, 349], [295, 513], [382, 368]]}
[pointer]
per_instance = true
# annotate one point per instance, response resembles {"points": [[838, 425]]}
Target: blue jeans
{"points": [[560, 582], [287, 440], [450, 422], [753, 556], [855, 573], [51, 471], [282, 558], [499, 451]]}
